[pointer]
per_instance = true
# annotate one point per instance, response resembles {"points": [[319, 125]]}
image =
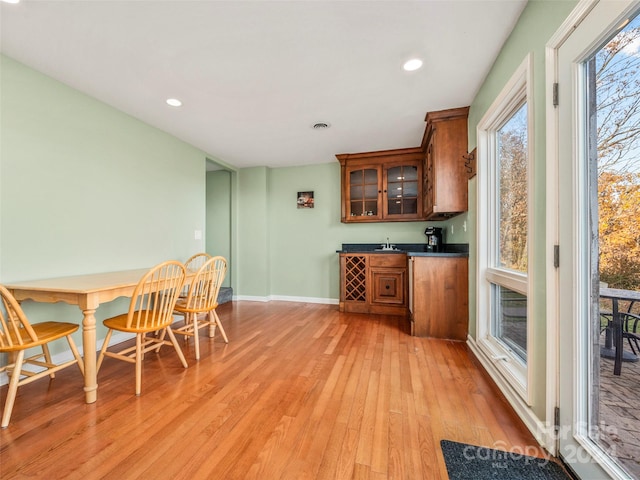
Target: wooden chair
{"points": [[17, 335], [193, 263], [196, 261], [150, 310], [202, 298]]}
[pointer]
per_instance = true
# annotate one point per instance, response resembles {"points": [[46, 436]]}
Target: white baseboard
{"points": [[286, 298], [250, 298], [325, 301], [543, 432]]}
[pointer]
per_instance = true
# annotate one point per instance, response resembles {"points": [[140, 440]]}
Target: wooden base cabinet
{"points": [[374, 283], [439, 297]]}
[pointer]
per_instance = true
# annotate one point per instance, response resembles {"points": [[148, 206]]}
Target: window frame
{"points": [[517, 91]]}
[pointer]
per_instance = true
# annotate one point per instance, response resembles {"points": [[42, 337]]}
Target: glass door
{"points": [[401, 194], [364, 192], [598, 215]]}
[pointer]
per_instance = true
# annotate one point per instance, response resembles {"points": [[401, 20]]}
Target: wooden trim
{"points": [[470, 163], [342, 157], [448, 114], [439, 116]]}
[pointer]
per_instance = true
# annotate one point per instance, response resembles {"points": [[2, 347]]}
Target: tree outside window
{"points": [[615, 77]]}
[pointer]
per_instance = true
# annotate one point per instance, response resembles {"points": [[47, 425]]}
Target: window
{"points": [[504, 214], [511, 157]]}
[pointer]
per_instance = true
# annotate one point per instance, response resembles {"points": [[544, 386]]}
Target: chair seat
{"points": [[181, 303], [46, 332], [119, 323], [181, 307]]}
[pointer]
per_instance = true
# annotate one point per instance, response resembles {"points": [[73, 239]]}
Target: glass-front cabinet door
{"points": [[401, 193], [383, 186], [364, 192]]}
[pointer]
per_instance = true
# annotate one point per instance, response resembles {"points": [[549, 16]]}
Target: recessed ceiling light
{"points": [[174, 102], [413, 64], [11, 1]]}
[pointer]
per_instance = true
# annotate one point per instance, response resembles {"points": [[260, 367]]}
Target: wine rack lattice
{"points": [[356, 279]]}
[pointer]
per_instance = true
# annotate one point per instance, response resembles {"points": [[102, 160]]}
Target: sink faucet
{"points": [[387, 246]]}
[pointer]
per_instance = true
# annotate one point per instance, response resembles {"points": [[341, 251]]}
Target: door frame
{"points": [[556, 432], [552, 218]]}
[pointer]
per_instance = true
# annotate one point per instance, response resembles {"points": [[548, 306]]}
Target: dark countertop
{"points": [[409, 249]]}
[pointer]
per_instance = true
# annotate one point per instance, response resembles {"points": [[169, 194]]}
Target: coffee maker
{"points": [[434, 239]]}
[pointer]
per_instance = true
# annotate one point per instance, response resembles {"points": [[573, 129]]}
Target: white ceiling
{"points": [[254, 76]]}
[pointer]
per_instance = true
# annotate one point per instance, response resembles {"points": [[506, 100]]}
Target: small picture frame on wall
{"points": [[305, 200]]}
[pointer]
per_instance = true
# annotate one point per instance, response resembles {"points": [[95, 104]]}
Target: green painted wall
{"points": [[538, 22], [253, 217], [86, 188], [218, 232], [294, 252]]}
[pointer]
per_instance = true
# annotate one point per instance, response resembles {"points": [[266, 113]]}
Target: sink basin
{"points": [[385, 249]]}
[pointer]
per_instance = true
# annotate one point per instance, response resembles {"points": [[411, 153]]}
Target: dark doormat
{"points": [[468, 462]]}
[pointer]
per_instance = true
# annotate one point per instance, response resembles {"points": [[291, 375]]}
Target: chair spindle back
{"points": [[204, 290], [196, 261], [155, 296], [15, 329]]}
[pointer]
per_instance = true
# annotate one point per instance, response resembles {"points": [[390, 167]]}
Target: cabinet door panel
{"points": [[371, 192], [445, 176], [429, 180], [388, 286], [410, 190], [402, 190], [410, 204], [364, 193], [440, 297]]}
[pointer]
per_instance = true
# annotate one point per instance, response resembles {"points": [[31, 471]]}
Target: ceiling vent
{"points": [[320, 125]]}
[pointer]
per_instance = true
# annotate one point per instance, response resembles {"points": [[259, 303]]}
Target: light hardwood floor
{"points": [[300, 392]]}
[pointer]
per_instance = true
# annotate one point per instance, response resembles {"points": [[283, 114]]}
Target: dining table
{"points": [[88, 292], [616, 295]]}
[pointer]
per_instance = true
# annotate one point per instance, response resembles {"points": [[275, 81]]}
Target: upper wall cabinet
{"points": [[445, 176], [384, 186]]}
